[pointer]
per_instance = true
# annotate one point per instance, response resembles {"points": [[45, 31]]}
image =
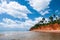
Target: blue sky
{"points": [[23, 14]]}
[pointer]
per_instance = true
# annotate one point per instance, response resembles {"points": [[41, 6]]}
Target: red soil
{"points": [[55, 26]]}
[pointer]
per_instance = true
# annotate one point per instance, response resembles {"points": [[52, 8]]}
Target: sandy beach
{"points": [[29, 35]]}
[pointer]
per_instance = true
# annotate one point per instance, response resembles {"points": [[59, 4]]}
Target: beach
{"points": [[29, 35]]}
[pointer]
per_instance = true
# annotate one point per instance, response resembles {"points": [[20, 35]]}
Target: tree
{"points": [[54, 21], [41, 22], [43, 19], [36, 26], [58, 21], [51, 19]]}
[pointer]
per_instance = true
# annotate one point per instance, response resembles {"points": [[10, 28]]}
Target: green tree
{"points": [[51, 19], [43, 19], [54, 16], [36, 25], [58, 21]]}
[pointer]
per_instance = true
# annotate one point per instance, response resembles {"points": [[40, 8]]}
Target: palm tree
{"points": [[59, 18], [58, 21], [43, 19], [51, 19], [54, 21]]}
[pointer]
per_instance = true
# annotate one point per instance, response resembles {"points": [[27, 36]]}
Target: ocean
{"points": [[28, 35]]}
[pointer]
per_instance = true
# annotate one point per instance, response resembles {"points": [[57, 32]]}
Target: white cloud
{"points": [[18, 24], [14, 9], [39, 4], [19, 11], [9, 23], [44, 12]]}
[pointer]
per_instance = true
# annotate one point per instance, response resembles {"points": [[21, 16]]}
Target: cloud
{"points": [[57, 13], [44, 12], [14, 9], [40, 5], [19, 11], [9, 23]]}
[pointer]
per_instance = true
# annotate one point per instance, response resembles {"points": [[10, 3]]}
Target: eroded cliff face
{"points": [[55, 26]]}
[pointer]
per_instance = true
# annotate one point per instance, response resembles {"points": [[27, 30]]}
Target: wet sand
{"points": [[29, 35]]}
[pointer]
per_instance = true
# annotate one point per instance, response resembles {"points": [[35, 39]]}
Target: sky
{"points": [[23, 14]]}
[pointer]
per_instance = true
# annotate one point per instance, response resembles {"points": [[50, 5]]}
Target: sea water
{"points": [[28, 35]]}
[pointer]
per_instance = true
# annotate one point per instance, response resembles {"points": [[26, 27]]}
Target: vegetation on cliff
{"points": [[53, 24]]}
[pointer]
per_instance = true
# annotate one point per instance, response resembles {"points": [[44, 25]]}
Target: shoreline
{"points": [[47, 31]]}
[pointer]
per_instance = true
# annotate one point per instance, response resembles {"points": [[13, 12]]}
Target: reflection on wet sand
{"points": [[29, 36]]}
